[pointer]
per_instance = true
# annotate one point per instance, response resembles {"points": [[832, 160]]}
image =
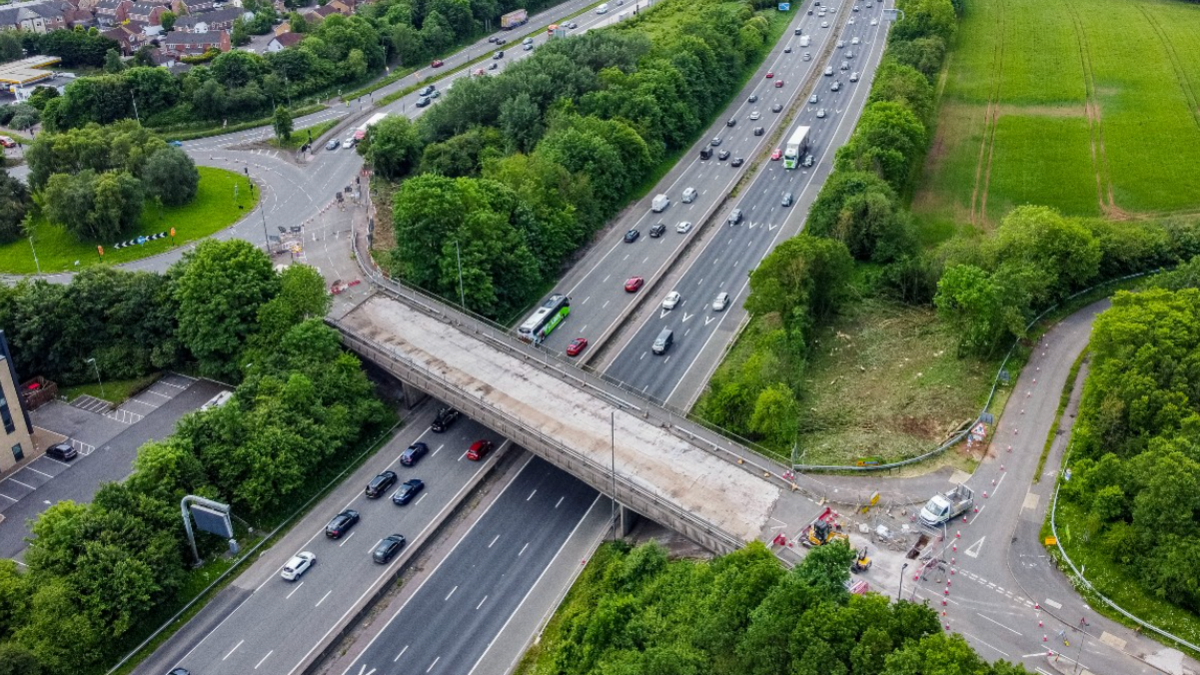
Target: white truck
{"points": [[943, 508], [660, 203]]}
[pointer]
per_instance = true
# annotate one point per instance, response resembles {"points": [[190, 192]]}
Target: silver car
{"points": [[721, 302]]}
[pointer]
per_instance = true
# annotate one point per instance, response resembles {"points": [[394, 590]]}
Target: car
{"points": [[720, 302], [770, 74], [479, 449], [174, 144], [407, 490], [821, 114], [735, 217], [813, 99], [837, 86], [297, 566], [498, 55], [808, 161], [824, 24], [445, 418], [715, 141], [874, 22], [731, 122], [854, 76], [779, 84], [341, 524], [759, 131], [577, 346], [753, 98], [755, 115], [333, 144], [671, 300], [387, 548], [841, 43], [828, 72], [723, 155], [787, 49], [632, 235], [855, 41], [64, 452], [807, 56], [684, 227], [413, 453], [788, 199], [437, 63], [657, 230], [380, 484], [737, 161], [528, 47], [493, 66], [634, 284], [777, 107]]}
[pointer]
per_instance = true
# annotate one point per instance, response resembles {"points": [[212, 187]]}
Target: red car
{"points": [[634, 284], [779, 84], [776, 155], [437, 63], [770, 74], [478, 450], [577, 345]]}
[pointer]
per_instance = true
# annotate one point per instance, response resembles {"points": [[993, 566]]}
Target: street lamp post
{"points": [[98, 380], [901, 591]]}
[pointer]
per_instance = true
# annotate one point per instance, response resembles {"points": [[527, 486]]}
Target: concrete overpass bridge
{"points": [[651, 460]]}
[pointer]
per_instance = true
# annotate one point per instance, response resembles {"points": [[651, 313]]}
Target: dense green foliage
{"points": [[1136, 461], [634, 612], [97, 571], [517, 171]]}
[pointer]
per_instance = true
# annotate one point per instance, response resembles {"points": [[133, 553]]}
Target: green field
{"points": [[1088, 107], [213, 209]]}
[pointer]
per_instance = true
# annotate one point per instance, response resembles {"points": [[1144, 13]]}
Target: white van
{"points": [[602, 9]]}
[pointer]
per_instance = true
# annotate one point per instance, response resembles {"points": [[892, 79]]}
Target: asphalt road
{"points": [[274, 626], [725, 263], [450, 621]]}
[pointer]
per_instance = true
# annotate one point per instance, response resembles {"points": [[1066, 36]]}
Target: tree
{"points": [[112, 62], [167, 19], [14, 207], [171, 176], [220, 288], [282, 121]]}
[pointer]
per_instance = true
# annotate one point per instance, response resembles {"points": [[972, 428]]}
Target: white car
{"points": [[684, 227], [754, 115], [671, 300], [297, 566]]}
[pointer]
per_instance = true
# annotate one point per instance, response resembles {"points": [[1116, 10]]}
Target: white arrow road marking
{"points": [[974, 549]]}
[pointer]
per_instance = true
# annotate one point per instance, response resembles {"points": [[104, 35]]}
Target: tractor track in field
{"points": [[1100, 167], [991, 116]]}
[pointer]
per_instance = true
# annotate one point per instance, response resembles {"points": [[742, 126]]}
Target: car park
{"points": [[341, 524], [445, 418], [788, 200], [721, 302], [723, 155], [777, 107], [437, 63], [755, 115], [671, 300], [333, 144], [776, 154], [577, 346], [407, 490], [657, 230], [380, 484], [297, 566], [735, 217], [634, 284], [479, 449], [413, 453], [632, 235], [821, 114], [64, 452], [737, 161], [387, 548], [814, 99], [684, 227], [759, 131]]}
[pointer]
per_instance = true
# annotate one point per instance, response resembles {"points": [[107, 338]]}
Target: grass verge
{"points": [[300, 136], [213, 209], [113, 391]]}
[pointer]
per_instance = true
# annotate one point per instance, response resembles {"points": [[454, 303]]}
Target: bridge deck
{"points": [[646, 454]]}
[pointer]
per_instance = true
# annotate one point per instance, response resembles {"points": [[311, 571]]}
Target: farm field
{"points": [[1089, 107]]}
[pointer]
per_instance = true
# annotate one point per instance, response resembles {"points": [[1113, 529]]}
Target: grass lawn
{"points": [[113, 391], [212, 210], [300, 136], [1093, 108]]}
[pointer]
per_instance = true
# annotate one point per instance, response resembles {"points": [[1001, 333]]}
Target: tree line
{"points": [[98, 573], [514, 173], [635, 612]]}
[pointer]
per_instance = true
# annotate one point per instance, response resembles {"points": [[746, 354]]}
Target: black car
{"points": [[62, 451], [632, 235], [407, 490], [380, 484], [387, 548], [738, 161], [341, 524], [759, 131], [414, 453], [445, 418], [723, 155], [657, 230]]}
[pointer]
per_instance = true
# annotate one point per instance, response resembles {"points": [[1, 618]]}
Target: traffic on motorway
{"points": [[349, 550]]}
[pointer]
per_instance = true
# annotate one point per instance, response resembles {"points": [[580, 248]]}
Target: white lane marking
{"points": [[481, 602], [397, 656], [997, 623], [494, 541], [231, 651], [450, 593], [523, 549], [260, 661], [289, 595], [323, 598]]}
